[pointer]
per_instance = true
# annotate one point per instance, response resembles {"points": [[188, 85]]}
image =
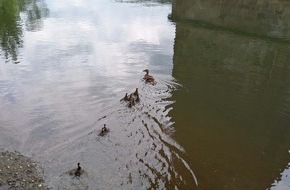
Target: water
{"points": [[218, 117]]}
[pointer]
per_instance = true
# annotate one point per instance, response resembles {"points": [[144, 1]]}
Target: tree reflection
{"points": [[36, 10], [10, 29], [11, 24]]}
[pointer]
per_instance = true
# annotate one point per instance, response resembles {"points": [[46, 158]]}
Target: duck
{"points": [[135, 96], [132, 98], [148, 78], [136, 93], [104, 131], [78, 171]]}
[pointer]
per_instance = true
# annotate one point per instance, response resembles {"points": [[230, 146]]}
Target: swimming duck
{"points": [[136, 93], [148, 78], [104, 131], [78, 171], [135, 96]]}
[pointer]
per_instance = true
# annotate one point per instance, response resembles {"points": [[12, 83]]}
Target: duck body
{"points": [[148, 78]]}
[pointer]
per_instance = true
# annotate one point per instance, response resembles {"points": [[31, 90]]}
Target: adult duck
{"points": [[148, 78]]}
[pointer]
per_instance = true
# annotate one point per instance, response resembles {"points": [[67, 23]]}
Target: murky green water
{"points": [[218, 118]]}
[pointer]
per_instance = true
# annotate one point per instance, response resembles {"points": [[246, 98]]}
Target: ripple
{"points": [[137, 153]]}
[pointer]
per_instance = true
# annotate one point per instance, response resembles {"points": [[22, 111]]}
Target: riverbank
{"points": [[19, 172]]}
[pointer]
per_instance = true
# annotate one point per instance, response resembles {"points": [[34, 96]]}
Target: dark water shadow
{"points": [[232, 117]]}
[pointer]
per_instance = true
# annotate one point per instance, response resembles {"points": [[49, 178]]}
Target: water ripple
{"points": [[137, 153]]}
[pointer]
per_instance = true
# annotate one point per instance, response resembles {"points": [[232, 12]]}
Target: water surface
{"points": [[218, 117]]}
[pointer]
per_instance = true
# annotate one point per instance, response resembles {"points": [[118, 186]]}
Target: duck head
{"points": [[146, 71]]}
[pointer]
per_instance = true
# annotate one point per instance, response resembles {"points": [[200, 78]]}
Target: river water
{"points": [[218, 117]]}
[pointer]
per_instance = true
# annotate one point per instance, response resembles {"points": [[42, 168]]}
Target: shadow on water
{"points": [[11, 26], [232, 116], [137, 153]]}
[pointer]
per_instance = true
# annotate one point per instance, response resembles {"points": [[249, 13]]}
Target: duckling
{"points": [[136, 93], [126, 98], [136, 96], [132, 98], [148, 78], [78, 171], [104, 131]]}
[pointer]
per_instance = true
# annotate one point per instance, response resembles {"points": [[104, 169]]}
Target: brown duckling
{"points": [[148, 78], [136, 96], [78, 171], [126, 98], [132, 98], [104, 131], [136, 93]]}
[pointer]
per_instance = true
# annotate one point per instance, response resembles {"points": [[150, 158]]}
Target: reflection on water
{"points": [[35, 12], [232, 117], [224, 124], [138, 148], [71, 77], [11, 24], [10, 29], [261, 18]]}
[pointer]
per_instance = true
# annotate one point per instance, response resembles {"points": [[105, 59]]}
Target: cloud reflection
{"points": [[87, 55]]}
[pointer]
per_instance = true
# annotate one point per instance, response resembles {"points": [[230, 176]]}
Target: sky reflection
{"points": [[84, 58], [77, 58], [104, 36]]}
